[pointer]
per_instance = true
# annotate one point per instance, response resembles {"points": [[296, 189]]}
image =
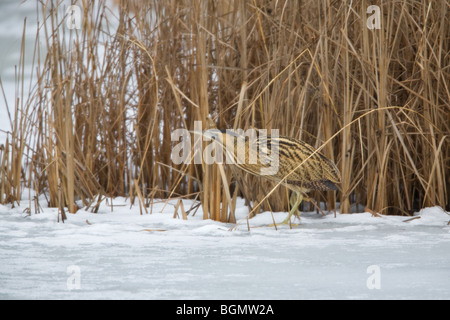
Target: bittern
{"points": [[290, 162]]}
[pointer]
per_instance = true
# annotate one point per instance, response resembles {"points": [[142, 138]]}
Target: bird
{"points": [[281, 159]]}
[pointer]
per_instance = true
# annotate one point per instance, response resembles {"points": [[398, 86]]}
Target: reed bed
{"points": [[105, 99]]}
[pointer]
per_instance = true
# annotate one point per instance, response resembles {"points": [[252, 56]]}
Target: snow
{"points": [[119, 254]]}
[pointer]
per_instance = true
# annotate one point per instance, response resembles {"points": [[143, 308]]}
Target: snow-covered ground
{"points": [[121, 254]]}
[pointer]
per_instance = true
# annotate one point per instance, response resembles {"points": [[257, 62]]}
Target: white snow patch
{"points": [[121, 254]]}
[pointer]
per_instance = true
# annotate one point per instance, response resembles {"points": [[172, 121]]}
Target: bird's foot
{"points": [[285, 221]]}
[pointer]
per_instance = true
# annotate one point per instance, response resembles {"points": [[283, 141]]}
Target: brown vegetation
{"points": [[106, 98]]}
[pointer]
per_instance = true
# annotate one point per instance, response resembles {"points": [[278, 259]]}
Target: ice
{"points": [[121, 254]]}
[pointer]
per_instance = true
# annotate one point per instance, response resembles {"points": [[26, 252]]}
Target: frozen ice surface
{"points": [[125, 255]]}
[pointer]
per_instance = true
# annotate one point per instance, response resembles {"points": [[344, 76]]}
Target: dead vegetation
{"points": [[105, 98]]}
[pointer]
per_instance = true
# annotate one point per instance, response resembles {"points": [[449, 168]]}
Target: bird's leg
{"points": [[292, 199], [292, 202], [294, 208]]}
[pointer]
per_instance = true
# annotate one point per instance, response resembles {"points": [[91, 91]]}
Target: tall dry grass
{"points": [[107, 97]]}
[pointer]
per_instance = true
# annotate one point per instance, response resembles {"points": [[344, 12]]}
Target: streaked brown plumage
{"points": [[300, 167]]}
